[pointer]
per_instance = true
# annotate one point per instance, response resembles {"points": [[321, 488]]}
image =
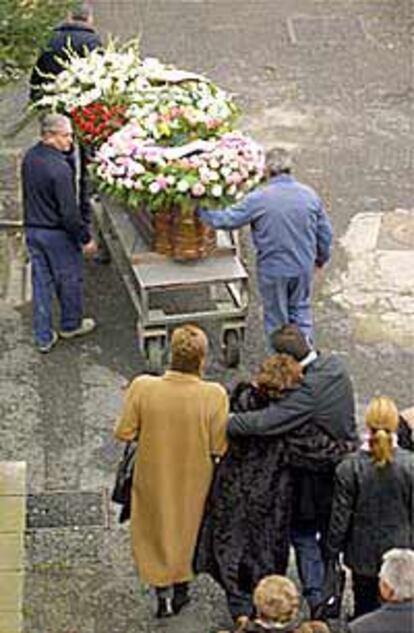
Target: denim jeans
{"points": [[286, 300], [57, 265], [309, 563]]}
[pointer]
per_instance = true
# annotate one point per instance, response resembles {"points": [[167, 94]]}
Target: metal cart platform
{"points": [[166, 293]]}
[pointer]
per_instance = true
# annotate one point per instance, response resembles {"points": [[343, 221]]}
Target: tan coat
{"points": [[180, 421]]}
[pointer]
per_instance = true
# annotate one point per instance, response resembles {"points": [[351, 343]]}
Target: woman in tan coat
{"points": [[180, 422]]}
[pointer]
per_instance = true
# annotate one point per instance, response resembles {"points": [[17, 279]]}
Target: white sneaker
{"points": [[45, 349], [87, 325]]}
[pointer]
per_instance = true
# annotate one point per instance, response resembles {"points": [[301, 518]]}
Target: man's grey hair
{"points": [[52, 122], [397, 571], [279, 160], [81, 12]]}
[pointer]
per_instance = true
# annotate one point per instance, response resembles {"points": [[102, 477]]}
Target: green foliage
{"points": [[25, 27]]}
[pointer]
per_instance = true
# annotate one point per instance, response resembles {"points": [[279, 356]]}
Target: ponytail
{"points": [[381, 445]]}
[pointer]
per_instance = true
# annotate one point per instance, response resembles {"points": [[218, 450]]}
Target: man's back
{"points": [[42, 168], [78, 36], [285, 226], [333, 394]]}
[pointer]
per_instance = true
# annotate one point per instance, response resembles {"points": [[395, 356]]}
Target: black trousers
{"points": [[366, 596]]}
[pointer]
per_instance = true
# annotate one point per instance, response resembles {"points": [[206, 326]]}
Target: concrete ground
{"points": [[331, 79]]}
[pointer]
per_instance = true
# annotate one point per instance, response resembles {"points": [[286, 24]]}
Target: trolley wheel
{"points": [[154, 351], [232, 348]]}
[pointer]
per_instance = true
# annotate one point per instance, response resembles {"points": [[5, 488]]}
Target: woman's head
{"points": [[188, 349], [276, 599], [277, 374], [382, 419]]}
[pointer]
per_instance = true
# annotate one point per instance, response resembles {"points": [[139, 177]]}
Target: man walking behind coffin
{"points": [[55, 234], [292, 234]]}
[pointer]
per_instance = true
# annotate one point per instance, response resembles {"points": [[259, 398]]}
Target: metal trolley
{"points": [[166, 293]]}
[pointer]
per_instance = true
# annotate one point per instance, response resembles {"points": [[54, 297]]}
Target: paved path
{"points": [[331, 79]]}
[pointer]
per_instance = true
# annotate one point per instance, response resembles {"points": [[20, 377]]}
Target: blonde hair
{"points": [[278, 373], [382, 420], [277, 599], [188, 349]]}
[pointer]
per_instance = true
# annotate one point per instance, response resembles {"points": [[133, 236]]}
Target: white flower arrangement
{"points": [[172, 106], [103, 74]]}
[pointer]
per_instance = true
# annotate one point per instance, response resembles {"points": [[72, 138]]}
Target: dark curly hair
{"points": [[277, 374]]}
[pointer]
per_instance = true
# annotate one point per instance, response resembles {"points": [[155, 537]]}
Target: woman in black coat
{"points": [[373, 507], [245, 533]]}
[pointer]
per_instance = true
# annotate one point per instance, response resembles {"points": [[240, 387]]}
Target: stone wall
{"points": [[10, 194]]}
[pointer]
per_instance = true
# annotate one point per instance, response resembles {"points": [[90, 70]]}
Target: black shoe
{"points": [[165, 608], [181, 597]]}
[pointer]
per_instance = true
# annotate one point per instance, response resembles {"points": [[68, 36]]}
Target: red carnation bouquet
{"points": [[95, 122]]}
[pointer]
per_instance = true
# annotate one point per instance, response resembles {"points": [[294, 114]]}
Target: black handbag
{"points": [[122, 490], [332, 593]]}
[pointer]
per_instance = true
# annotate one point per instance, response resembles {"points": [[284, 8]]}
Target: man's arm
{"points": [[233, 217], [67, 205], [281, 416], [324, 236]]}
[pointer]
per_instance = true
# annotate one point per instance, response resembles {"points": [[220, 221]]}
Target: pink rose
{"points": [[198, 189]]}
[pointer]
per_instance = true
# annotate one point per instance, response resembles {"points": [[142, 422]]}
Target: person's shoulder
{"points": [[59, 166], [143, 381], [32, 151], [349, 462], [246, 397], [329, 362], [404, 457], [214, 389], [367, 623], [256, 195]]}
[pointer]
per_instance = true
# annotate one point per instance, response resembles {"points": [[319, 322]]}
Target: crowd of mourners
{"points": [[226, 484]]}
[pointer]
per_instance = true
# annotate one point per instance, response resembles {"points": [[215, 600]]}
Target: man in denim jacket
{"points": [[291, 233]]}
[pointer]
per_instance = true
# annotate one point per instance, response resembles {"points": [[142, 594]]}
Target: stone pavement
{"points": [[378, 286], [332, 79]]}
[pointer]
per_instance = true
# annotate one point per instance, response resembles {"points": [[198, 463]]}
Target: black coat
{"points": [[80, 36], [373, 510], [245, 531]]}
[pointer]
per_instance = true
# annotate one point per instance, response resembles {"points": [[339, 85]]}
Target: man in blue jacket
{"points": [[55, 234], [292, 234], [78, 34]]}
